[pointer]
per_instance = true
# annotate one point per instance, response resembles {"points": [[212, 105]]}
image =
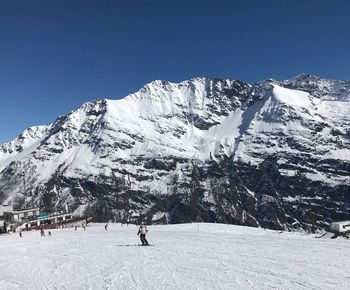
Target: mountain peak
{"points": [[227, 150]]}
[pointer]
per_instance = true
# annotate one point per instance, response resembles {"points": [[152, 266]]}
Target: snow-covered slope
{"points": [[256, 154], [215, 257]]}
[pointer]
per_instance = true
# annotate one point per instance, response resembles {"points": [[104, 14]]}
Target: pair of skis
{"points": [[134, 245]]}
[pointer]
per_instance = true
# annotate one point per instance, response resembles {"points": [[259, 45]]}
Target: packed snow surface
{"points": [[188, 256]]}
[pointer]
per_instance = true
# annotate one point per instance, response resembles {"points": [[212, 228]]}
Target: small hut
{"points": [[340, 227]]}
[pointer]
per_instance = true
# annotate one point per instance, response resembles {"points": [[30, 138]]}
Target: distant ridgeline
{"points": [[274, 154]]}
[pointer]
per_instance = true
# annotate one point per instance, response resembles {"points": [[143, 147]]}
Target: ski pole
{"points": [[150, 238]]}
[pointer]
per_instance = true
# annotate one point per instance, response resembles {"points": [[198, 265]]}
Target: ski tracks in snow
{"points": [[215, 257]]}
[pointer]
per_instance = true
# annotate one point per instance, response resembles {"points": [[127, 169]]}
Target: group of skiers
{"points": [[42, 233], [141, 232]]}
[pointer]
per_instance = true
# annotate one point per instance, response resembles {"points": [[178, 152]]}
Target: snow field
{"points": [[215, 257]]}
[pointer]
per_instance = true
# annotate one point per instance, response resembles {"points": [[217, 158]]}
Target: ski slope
{"points": [[215, 257]]}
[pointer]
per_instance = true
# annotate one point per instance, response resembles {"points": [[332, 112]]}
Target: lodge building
{"points": [[29, 218]]}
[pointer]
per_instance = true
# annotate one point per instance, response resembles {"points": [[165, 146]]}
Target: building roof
{"points": [[341, 223], [25, 210]]}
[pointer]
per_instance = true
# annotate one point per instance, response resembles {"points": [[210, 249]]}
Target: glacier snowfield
{"points": [[187, 256]]}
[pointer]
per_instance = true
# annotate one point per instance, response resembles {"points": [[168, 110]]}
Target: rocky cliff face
{"points": [[270, 154]]}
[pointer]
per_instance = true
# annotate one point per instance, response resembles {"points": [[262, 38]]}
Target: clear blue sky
{"points": [[55, 55]]}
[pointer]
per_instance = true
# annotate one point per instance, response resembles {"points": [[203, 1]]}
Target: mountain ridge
{"points": [[205, 147]]}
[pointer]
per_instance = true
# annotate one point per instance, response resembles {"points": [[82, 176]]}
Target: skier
{"points": [[20, 234], [142, 232], [49, 233], [42, 233], [106, 227]]}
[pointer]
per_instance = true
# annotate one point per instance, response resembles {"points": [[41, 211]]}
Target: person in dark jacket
{"points": [[142, 232]]}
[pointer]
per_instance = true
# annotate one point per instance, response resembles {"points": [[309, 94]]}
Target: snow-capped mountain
{"points": [[271, 154]]}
